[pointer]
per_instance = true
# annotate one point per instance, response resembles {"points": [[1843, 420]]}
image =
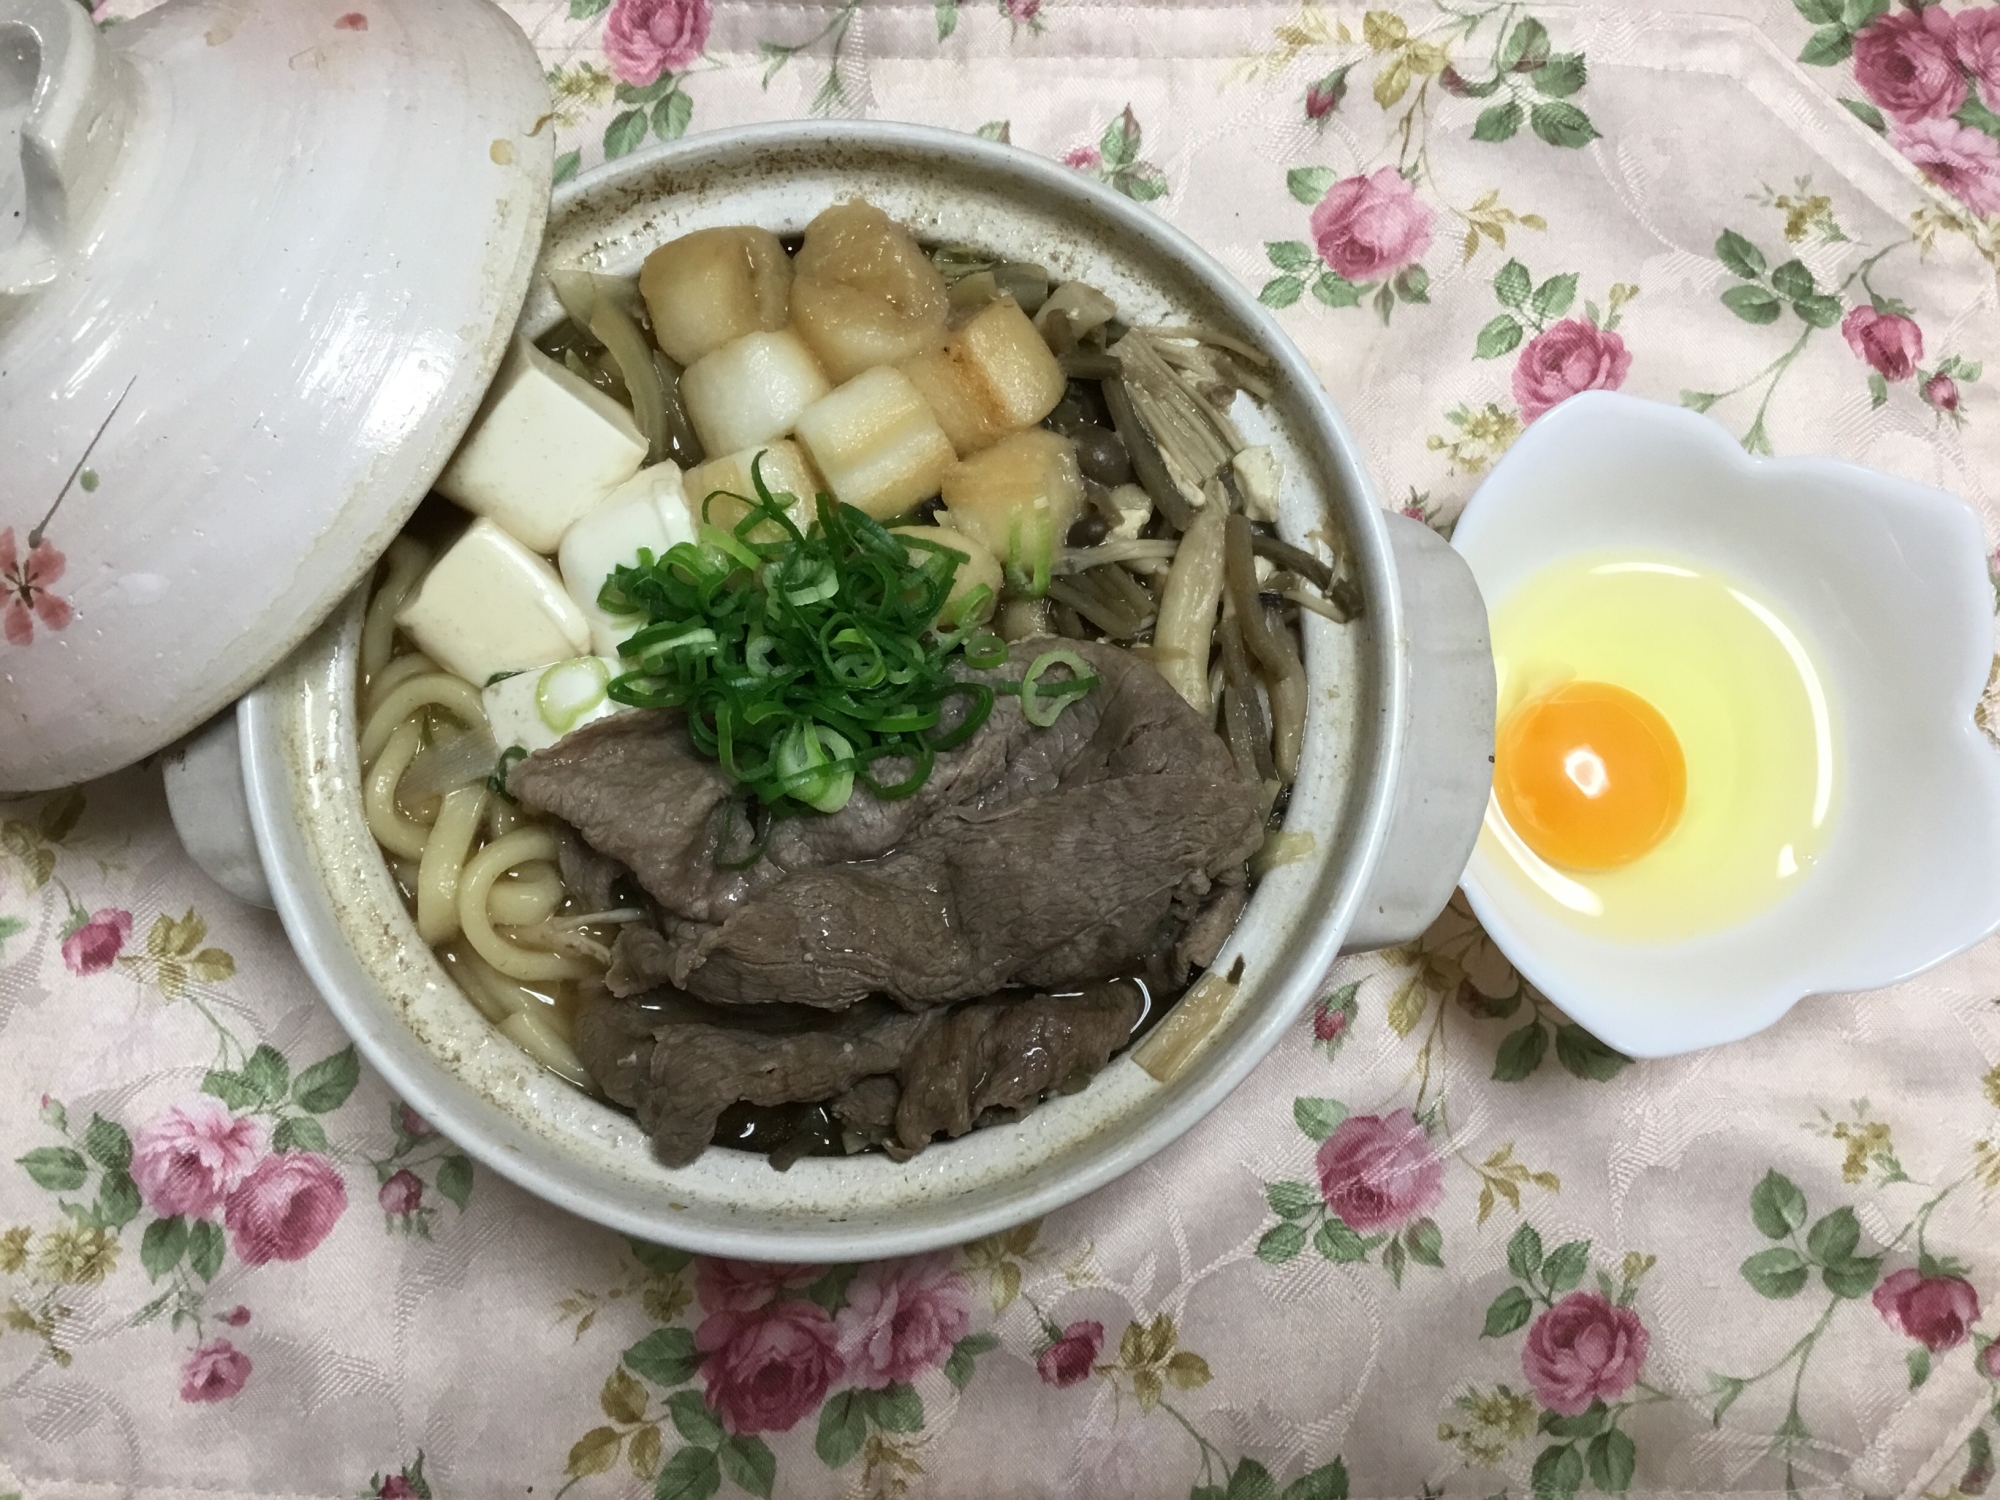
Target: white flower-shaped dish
{"points": [[1886, 582]]}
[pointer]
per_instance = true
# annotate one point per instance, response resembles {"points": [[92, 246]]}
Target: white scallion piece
{"points": [[719, 490]]}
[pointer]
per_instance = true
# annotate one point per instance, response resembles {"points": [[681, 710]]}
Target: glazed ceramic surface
{"points": [[1393, 778], [1885, 583], [274, 250]]}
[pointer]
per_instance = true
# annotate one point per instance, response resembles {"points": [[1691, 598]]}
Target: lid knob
{"points": [[59, 86]]}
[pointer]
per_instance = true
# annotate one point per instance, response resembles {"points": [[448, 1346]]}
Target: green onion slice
{"points": [[570, 689], [1040, 704]]}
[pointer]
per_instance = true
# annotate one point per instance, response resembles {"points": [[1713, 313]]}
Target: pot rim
{"points": [[1229, 1051]]}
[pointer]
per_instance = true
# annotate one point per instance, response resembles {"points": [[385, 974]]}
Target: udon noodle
{"points": [[481, 878]]}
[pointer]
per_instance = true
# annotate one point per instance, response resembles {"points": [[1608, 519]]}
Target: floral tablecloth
{"points": [[1443, 1241]]}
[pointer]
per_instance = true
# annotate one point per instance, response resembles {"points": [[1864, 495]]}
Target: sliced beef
{"points": [[867, 1115], [1031, 856], [698, 1069], [615, 1042], [591, 877], [894, 1078], [1004, 1055], [640, 960], [638, 792], [634, 787], [1211, 925], [971, 904]]}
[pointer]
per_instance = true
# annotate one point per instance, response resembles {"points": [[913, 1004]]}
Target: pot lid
{"points": [[259, 260]]}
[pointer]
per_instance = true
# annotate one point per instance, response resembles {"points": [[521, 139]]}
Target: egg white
{"points": [[1743, 695]]}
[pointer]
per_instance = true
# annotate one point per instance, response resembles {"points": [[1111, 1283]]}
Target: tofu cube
{"points": [[992, 377], [647, 510], [535, 708], [1020, 498], [751, 391], [1135, 509], [490, 605], [715, 285], [1258, 475], [545, 448], [786, 470], [877, 443]]}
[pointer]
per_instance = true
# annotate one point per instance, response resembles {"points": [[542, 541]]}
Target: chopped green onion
{"points": [[1042, 705], [818, 765], [799, 659], [982, 707], [985, 650], [569, 690]]}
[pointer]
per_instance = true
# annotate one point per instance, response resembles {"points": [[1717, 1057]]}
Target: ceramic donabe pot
{"points": [[1387, 804]]}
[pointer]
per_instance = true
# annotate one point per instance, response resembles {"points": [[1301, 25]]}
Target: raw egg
{"points": [[1589, 775], [1665, 763]]}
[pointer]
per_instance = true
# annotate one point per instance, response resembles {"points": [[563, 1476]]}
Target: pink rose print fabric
{"points": [[765, 1370], [1565, 360], [1440, 1241], [1069, 1359], [1380, 1171], [95, 944], [192, 1158], [403, 1193], [902, 1322], [645, 38], [746, 1285], [1373, 226], [1583, 1349], [1963, 161], [284, 1207], [1908, 64], [1975, 36], [1936, 1311], [215, 1372], [1888, 343]]}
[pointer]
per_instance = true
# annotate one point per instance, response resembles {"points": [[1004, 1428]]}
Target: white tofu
{"points": [[786, 471], [535, 708], [1135, 509], [1258, 474], [490, 605], [878, 444], [545, 449], [751, 390], [647, 510]]}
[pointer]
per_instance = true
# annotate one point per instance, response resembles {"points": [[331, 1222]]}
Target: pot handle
{"points": [[1447, 768], [75, 123], [211, 809]]}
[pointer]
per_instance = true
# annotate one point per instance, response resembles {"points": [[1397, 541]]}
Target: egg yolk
{"points": [[1589, 775]]}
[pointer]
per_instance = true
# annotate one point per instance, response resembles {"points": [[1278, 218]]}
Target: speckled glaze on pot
{"points": [[1363, 784]]}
